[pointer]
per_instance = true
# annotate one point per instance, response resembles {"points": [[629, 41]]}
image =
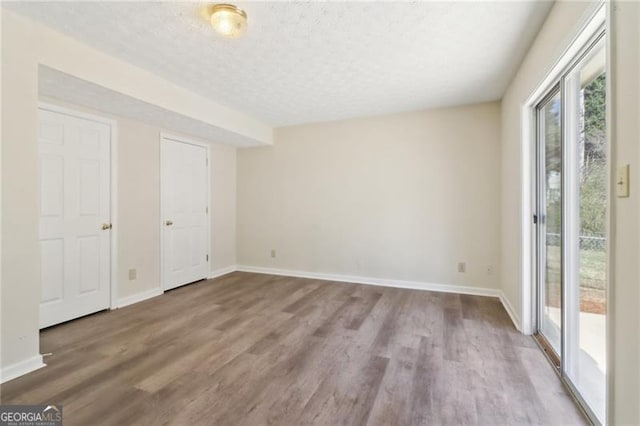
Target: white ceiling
{"points": [[306, 62]]}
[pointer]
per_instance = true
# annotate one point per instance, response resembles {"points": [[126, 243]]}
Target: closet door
{"points": [[75, 240], [185, 226]]}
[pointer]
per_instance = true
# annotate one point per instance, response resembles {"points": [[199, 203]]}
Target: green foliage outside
{"points": [[593, 186], [593, 172]]}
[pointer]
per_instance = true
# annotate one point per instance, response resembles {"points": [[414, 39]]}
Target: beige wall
{"points": [[638, 174], [1, 137], [624, 308], [138, 223], [138, 220], [20, 250], [562, 23], [223, 206], [402, 197]]}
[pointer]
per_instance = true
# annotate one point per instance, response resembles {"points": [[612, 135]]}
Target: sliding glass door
{"points": [[550, 223], [571, 232], [585, 362]]}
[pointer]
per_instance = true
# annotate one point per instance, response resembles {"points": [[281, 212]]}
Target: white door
{"points": [[75, 254], [185, 224]]}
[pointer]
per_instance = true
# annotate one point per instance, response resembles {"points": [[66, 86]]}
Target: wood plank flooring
{"points": [[249, 349]]}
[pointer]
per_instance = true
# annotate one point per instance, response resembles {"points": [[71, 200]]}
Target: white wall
{"points": [[562, 24], [402, 197], [23, 46]]}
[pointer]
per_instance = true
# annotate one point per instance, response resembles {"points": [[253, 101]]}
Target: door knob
{"points": [[106, 226], [168, 223]]}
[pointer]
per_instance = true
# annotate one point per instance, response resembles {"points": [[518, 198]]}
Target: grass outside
{"points": [[592, 279]]}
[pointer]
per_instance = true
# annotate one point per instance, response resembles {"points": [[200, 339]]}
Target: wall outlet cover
{"points": [[622, 181]]}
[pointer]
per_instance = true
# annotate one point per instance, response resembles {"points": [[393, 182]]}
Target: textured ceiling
{"points": [[306, 62]]}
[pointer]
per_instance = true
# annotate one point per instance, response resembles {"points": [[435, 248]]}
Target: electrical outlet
{"points": [[462, 267], [132, 274], [273, 253], [489, 269]]}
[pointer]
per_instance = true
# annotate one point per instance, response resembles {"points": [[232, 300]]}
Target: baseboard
{"points": [[383, 282], [510, 311], [222, 271], [148, 294], [139, 297], [21, 368]]}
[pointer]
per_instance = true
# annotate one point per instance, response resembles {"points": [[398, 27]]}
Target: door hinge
{"points": [[207, 258], [535, 219]]}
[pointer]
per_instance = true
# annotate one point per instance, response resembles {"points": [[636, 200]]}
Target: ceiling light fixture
{"points": [[228, 20]]}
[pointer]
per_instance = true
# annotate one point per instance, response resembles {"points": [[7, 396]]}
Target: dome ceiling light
{"points": [[228, 20]]}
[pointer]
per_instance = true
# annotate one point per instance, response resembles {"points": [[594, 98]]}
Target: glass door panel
{"points": [[550, 221], [586, 207]]}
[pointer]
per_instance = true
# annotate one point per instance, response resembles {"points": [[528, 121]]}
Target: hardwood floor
{"points": [[249, 349]]}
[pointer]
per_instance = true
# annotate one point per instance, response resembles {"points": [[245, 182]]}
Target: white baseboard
{"points": [[148, 294], [139, 297], [383, 282], [222, 271], [21, 368], [415, 285], [512, 312]]}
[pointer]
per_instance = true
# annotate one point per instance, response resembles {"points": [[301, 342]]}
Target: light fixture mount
{"points": [[228, 20]]}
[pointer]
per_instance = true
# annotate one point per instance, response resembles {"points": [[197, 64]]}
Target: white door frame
{"points": [[592, 23], [113, 194], [173, 137]]}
